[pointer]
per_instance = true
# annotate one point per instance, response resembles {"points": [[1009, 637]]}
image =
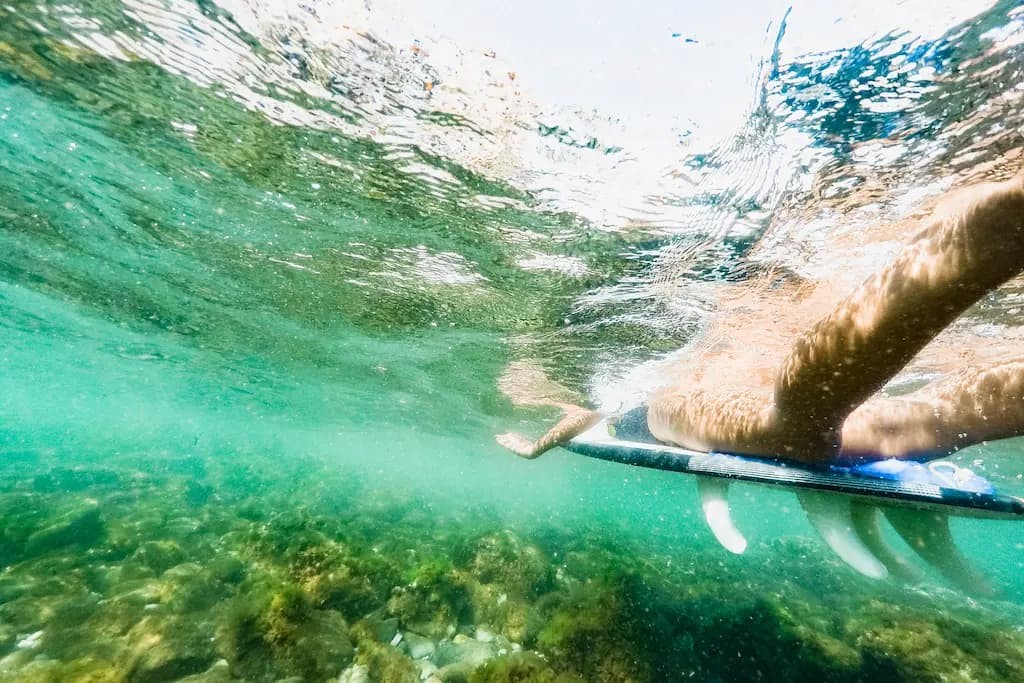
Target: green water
{"points": [[248, 383]]}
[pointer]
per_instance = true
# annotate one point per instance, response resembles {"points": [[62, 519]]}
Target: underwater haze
{"points": [[264, 267]]}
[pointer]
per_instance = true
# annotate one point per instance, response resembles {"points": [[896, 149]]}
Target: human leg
{"points": [[974, 405], [872, 334]]}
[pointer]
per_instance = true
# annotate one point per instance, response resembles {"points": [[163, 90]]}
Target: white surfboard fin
{"points": [[715, 503], [929, 535], [832, 517], [866, 525]]}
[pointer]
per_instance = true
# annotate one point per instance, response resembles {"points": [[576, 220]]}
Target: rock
{"points": [[503, 559], [922, 647], [433, 602], [386, 663], [459, 672], [417, 646], [8, 636], [463, 649], [13, 664], [427, 668], [31, 641], [160, 555], [227, 569], [187, 588], [377, 628], [83, 527], [273, 631], [167, 649], [492, 606], [521, 666], [141, 592], [336, 578], [219, 672], [357, 673], [180, 527], [324, 641]]}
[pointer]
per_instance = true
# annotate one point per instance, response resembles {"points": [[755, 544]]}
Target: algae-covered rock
{"points": [[504, 559], [455, 673], [197, 494], [81, 527], [386, 664], [462, 649], [159, 555], [376, 627], [167, 649], [599, 633], [742, 641], [30, 669], [911, 646], [275, 630], [504, 575], [519, 667], [357, 673], [219, 672], [336, 578], [417, 646], [434, 603], [226, 569], [508, 614], [190, 588]]}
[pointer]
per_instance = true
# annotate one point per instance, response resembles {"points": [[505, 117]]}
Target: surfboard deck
{"points": [[638, 448]]}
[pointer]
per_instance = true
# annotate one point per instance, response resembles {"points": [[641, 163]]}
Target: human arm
{"points": [[576, 421]]}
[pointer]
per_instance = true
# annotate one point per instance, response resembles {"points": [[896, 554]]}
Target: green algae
{"points": [[272, 629], [434, 603], [519, 667], [386, 664]]}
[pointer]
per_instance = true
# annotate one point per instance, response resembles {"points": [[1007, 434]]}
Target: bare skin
{"points": [[821, 403]]}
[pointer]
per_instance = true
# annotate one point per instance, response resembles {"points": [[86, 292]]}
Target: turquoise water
{"points": [[257, 294]]}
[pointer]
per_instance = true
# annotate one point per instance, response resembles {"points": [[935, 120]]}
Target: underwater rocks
{"points": [[417, 646], [901, 644], [434, 601], [520, 667], [167, 649], [159, 555], [81, 527], [271, 629], [505, 560], [138, 585]]}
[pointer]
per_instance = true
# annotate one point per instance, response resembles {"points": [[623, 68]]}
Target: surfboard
{"points": [[931, 486], [842, 502]]}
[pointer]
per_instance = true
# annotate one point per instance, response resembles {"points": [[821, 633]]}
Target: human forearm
{"points": [[886, 321], [576, 422]]}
